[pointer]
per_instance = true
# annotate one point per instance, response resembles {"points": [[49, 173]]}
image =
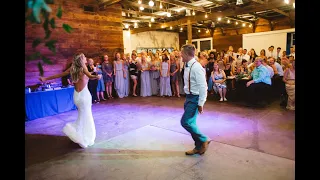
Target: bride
{"points": [[82, 131]]}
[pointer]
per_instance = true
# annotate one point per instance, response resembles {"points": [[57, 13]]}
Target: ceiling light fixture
{"points": [[151, 3]]}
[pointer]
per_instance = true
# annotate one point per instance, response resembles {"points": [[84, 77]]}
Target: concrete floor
{"points": [[141, 138]]}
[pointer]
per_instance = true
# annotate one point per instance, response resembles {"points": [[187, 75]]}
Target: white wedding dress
{"points": [[83, 130]]}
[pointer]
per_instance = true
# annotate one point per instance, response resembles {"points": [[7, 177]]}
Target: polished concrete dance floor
{"points": [[141, 138]]}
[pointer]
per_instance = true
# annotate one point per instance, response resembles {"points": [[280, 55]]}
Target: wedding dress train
{"points": [[82, 131]]}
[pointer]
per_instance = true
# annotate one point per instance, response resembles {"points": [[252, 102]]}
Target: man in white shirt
{"points": [[246, 56], [264, 62], [292, 52], [271, 53], [278, 53], [196, 94]]}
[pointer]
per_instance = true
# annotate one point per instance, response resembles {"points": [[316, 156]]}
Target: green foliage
{"points": [[48, 25], [67, 28]]}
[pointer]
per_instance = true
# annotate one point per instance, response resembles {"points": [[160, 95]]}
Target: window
{"points": [[195, 43], [202, 44], [205, 45]]}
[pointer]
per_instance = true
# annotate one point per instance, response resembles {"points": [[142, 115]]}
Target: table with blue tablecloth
{"points": [[47, 103]]}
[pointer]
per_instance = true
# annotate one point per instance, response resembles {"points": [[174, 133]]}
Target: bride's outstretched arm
{"points": [[43, 79], [86, 72]]}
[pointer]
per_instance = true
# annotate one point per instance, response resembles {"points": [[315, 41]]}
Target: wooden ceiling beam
{"points": [[104, 3], [260, 16], [146, 6], [214, 15], [135, 19], [183, 4], [280, 12], [275, 9], [239, 19], [141, 13]]}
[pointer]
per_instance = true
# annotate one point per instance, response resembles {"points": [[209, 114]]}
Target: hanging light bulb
{"points": [[152, 19], [135, 24], [250, 25], [126, 26], [228, 21], [151, 3], [219, 18], [193, 13], [286, 1], [294, 5], [139, 1], [237, 23], [239, 2], [149, 24], [160, 5], [243, 25], [206, 16], [199, 30], [181, 29], [141, 8], [178, 10], [170, 27], [168, 14], [207, 31]]}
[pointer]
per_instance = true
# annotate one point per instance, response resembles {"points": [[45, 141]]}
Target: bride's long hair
{"points": [[76, 67]]}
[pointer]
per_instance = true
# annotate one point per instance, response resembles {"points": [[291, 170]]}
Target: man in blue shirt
{"points": [[195, 87], [260, 83]]}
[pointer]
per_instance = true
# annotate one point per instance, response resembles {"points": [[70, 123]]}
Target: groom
{"points": [[195, 87]]}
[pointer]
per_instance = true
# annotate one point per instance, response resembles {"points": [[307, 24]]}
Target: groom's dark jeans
{"points": [[188, 120], [92, 85]]}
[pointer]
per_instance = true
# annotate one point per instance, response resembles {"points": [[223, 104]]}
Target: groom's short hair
{"points": [[188, 49]]}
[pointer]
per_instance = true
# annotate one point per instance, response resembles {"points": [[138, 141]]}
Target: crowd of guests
{"points": [[161, 74]]}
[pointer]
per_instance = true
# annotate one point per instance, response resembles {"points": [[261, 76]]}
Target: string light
{"points": [[141, 8], [135, 24], [151, 3], [152, 19], [207, 31], [149, 24], [286, 1], [126, 26], [206, 16], [228, 21], [250, 25], [170, 27], [219, 18], [237, 23], [139, 1], [168, 14], [199, 30], [181, 29], [193, 13], [160, 5]]}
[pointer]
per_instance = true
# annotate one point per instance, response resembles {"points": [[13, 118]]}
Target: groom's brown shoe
{"points": [[192, 152], [204, 147]]}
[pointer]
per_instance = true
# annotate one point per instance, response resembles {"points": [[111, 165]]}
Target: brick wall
{"points": [[94, 34]]}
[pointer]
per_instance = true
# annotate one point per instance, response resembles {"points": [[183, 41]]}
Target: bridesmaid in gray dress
{"points": [[127, 78], [174, 78], [155, 75], [119, 76], [165, 89], [145, 89], [107, 75]]}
